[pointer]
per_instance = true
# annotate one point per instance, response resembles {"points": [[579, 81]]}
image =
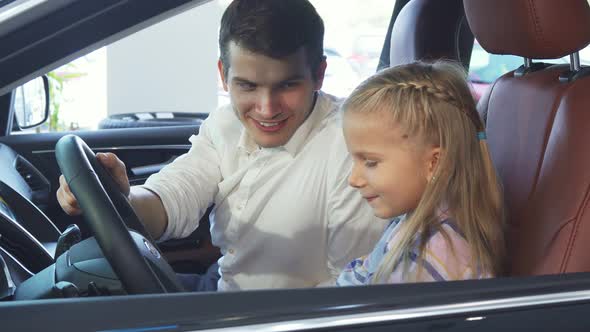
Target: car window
{"points": [[159, 74], [355, 32], [167, 74], [485, 68]]}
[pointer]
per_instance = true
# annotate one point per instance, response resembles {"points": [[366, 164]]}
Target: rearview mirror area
{"points": [[31, 103]]}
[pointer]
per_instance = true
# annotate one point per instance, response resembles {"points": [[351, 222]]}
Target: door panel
{"points": [[143, 150]]}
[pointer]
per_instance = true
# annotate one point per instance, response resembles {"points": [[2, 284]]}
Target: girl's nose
{"points": [[355, 179]]}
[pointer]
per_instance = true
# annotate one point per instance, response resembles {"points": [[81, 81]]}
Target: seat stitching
{"points": [[572, 240], [538, 31], [549, 130]]}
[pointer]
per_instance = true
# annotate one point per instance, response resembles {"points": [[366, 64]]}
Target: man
{"points": [[274, 162]]}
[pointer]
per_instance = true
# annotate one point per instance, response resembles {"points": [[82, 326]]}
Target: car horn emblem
{"points": [[151, 248]]}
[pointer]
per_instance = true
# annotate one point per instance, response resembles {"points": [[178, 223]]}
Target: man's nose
{"points": [[355, 179], [268, 105]]}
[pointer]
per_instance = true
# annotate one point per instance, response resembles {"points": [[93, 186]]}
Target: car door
{"points": [[143, 150], [30, 32]]}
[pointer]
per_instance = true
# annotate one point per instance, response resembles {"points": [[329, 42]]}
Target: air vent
{"points": [[31, 175]]}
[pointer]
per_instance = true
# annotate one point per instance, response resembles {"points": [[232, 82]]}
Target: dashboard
{"points": [[27, 237]]}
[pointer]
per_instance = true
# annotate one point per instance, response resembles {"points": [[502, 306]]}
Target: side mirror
{"points": [[31, 103]]}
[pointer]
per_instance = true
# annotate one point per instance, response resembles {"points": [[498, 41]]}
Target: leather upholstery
{"points": [[428, 30], [538, 131], [537, 29]]}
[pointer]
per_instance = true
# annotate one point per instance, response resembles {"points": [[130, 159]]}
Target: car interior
{"points": [[536, 124], [532, 117]]}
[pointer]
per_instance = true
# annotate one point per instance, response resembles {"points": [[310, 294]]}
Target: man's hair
{"points": [[274, 28]]}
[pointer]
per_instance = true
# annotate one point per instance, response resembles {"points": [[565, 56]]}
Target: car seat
{"points": [[538, 129]]}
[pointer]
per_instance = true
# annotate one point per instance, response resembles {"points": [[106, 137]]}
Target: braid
{"points": [[431, 89], [443, 95]]}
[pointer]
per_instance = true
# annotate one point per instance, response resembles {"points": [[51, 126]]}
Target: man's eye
{"points": [[370, 163], [289, 85], [246, 86]]}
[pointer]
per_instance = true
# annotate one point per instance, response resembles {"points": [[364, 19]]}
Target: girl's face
{"points": [[390, 168]]}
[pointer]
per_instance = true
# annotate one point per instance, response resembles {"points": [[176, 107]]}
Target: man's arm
{"points": [[173, 200], [150, 210], [177, 196], [146, 204]]}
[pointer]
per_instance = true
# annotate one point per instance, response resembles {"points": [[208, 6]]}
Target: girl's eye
{"points": [[370, 163]]}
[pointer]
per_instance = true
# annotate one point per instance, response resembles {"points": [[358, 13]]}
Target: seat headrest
{"points": [[536, 29], [439, 20]]}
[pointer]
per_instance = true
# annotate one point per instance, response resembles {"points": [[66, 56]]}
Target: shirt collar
{"points": [[320, 110], [246, 143], [442, 214]]}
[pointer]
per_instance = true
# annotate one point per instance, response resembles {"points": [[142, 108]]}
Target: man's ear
{"points": [[222, 75], [432, 161], [320, 74]]}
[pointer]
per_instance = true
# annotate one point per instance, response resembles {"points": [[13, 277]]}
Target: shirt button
{"points": [[231, 251]]}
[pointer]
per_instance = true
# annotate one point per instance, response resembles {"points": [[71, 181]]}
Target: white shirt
{"points": [[284, 217]]}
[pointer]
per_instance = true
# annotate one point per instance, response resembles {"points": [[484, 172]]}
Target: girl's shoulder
{"points": [[448, 253]]}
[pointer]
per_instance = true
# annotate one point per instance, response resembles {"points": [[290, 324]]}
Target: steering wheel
{"points": [[133, 257]]}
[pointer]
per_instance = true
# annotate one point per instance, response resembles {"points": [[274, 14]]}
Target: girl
{"points": [[419, 152]]}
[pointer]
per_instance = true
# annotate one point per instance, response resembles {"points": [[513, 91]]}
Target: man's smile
{"points": [[269, 126]]}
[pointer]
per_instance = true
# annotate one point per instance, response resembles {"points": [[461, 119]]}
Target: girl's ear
{"points": [[432, 159]]}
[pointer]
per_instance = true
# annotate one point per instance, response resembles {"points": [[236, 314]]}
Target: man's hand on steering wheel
{"points": [[112, 164], [102, 189]]}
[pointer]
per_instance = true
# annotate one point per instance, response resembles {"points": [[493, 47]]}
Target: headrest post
{"points": [[576, 70], [575, 62], [529, 67]]}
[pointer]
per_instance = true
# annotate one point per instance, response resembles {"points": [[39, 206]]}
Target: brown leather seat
{"points": [[430, 29], [538, 130]]}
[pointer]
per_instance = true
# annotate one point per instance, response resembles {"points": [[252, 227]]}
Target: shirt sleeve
{"points": [[360, 271], [188, 185], [355, 273], [353, 229]]}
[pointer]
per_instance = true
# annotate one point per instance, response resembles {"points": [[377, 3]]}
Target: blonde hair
{"points": [[433, 103]]}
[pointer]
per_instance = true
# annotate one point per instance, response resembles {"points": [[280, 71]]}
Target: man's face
{"points": [[271, 97]]}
